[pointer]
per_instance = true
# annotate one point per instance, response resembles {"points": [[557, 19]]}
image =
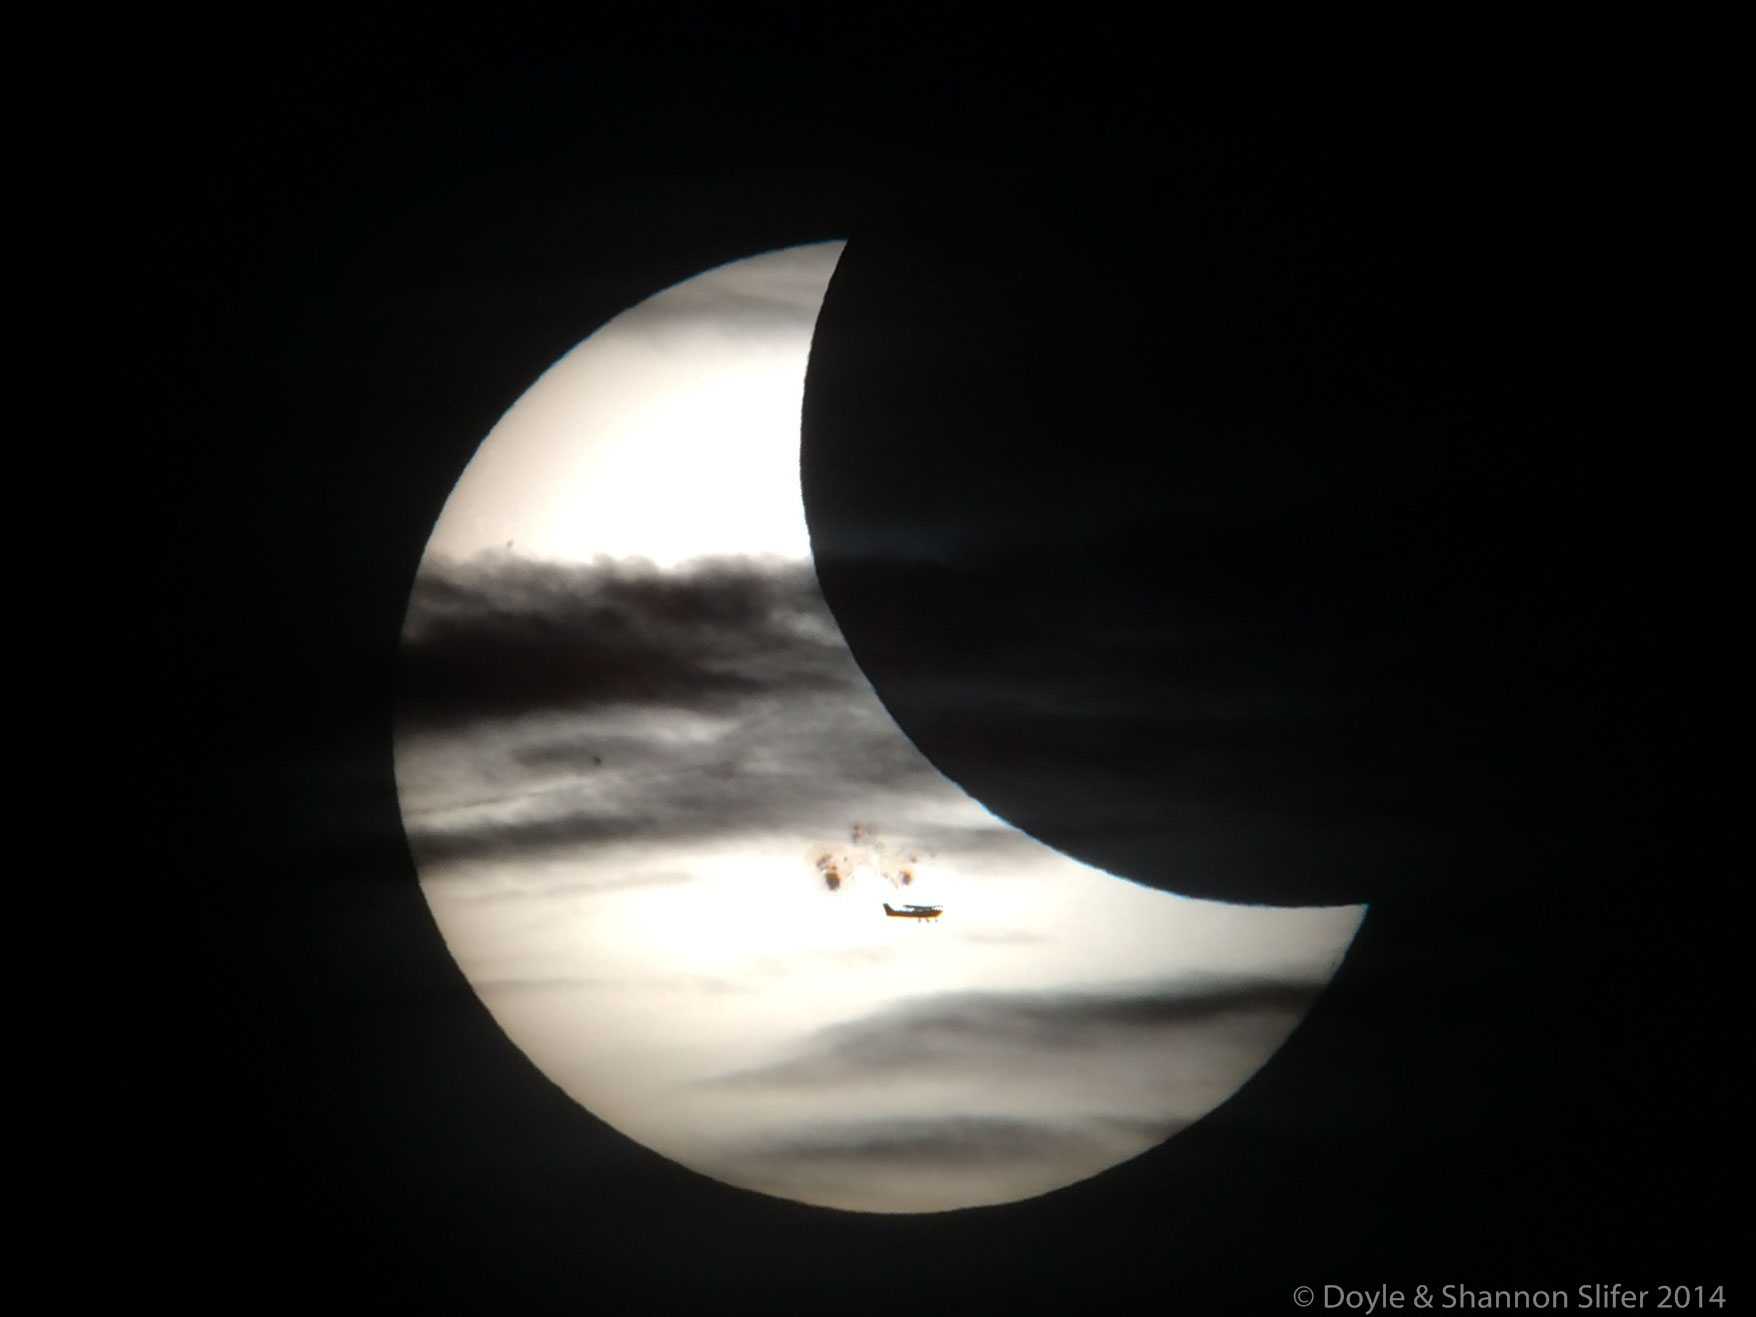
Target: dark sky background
{"points": [[1263, 498]]}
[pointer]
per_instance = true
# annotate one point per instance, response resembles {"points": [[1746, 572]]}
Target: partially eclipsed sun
{"points": [[658, 812]]}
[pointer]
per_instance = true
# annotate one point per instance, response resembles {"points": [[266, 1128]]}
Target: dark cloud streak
{"points": [[959, 1142], [612, 701], [499, 636]]}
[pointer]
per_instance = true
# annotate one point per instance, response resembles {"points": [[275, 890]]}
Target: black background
{"points": [[1361, 390]]}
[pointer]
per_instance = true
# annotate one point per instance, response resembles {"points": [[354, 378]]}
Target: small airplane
{"points": [[914, 911]]}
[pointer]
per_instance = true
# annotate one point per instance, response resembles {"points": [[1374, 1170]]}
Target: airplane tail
{"points": [[887, 909]]}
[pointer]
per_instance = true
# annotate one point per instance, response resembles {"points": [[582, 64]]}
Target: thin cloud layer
{"points": [[982, 1096], [778, 297], [992, 1035], [924, 1164]]}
